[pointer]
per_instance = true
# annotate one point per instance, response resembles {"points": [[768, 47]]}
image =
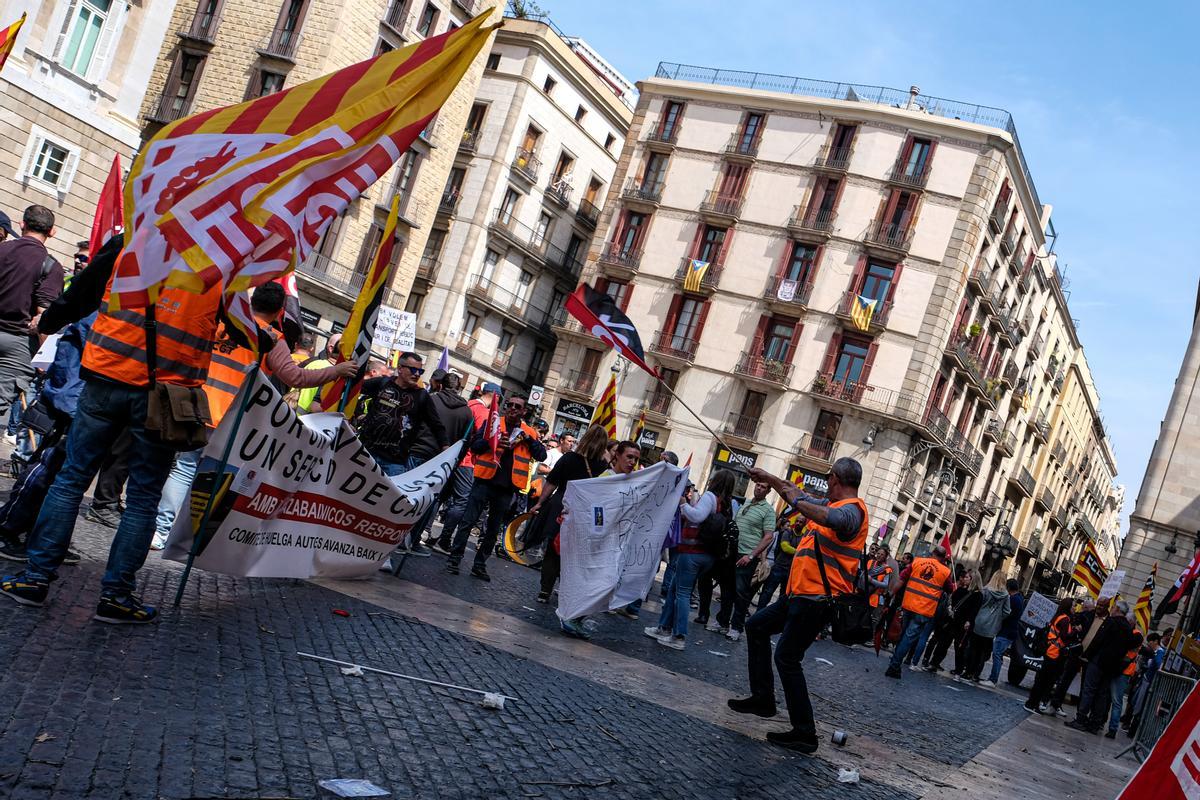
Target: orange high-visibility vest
{"points": [[1131, 656], [842, 559], [187, 327], [1053, 640], [226, 373], [924, 588], [876, 593], [487, 464]]}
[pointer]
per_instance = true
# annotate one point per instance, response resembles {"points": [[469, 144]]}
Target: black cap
{"points": [[6, 224]]}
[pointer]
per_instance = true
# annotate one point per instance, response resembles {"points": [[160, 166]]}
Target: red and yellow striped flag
{"points": [[239, 195], [1090, 571], [360, 329], [1142, 609], [8, 39], [606, 410], [639, 425]]}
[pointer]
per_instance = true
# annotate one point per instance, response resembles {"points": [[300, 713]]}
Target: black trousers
{"points": [[497, 501], [1070, 668], [114, 470], [1094, 697], [798, 622], [721, 574], [1045, 680], [979, 649], [551, 569]]}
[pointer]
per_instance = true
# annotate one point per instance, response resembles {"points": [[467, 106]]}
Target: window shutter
{"points": [[107, 42], [816, 263], [831, 354], [61, 44], [860, 269], [31, 150], [891, 295], [640, 234], [724, 251], [628, 296], [602, 284], [694, 249], [929, 159], [672, 315], [758, 344], [795, 343], [960, 320], [68, 173], [866, 370], [703, 318]]}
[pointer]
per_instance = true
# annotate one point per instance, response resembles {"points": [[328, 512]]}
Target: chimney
{"points": [[913, 92]]}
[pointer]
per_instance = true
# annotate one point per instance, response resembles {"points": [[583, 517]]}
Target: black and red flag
{"points": [[600, 314], [1180, 589]]}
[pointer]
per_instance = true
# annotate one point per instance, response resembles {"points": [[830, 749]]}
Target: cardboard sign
{"points": [[1112, 584], [1039, 611], [387, 330]]}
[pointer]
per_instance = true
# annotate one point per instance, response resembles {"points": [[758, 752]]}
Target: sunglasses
{"points": [[416, 371], [515, 406]]}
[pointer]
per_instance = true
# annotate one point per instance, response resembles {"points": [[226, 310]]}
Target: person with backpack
{"points": [[705, 520], [951, 625], [994, 607], [925, 583], [825, 567], [755, 522]]}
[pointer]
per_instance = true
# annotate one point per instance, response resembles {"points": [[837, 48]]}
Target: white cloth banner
{"points": [[612, 535], [300, 496]]}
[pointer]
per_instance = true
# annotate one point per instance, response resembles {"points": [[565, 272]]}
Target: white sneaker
{"points": [[986, 684], [914, 667], [1044, 708], [655, 632], [713, 626], [673, 642], [1059, 712], [733, 635]]}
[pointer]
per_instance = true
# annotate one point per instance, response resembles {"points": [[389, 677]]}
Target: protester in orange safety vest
{"points": [[836, 534], [1106, 657], [924, 583], [498, 475], [1057, 637], [114, 398], [879, 575]]}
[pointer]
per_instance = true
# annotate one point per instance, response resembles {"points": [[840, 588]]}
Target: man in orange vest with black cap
{"points": [[825, 565], [924, 582]]}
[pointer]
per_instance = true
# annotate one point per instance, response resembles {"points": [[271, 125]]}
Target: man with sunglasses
{"points": [[499, 475], [398, 411]]}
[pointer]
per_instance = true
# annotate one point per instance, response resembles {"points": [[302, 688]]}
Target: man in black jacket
{"points": [[399, 411], [1104, 657]]}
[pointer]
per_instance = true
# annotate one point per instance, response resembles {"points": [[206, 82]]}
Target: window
{"points": [[748, 138], [508, 205], [433, 246], [406, 176], [630, 236], [687, 324], [470, 324], [541, 230], [476, 117], [733, 181], [753, 404], [609, 141], [506, 341], [490, 259], [827, 427], [712, 241], [618, 291], [591, 362], [593, 191], [549, 85], [655, 173], [428, 19], [414, 303], [668, 126], [580, 113], [370, 247], [493, 61], [83, 34], [204, 24], [916, 160], [574, 252], [777, 340], [263, 83], [49, 163], [824, 198], [843, 137], [802, 264], [537, 364], [181, 86], [898, 213], [877, 281], [850, 360], [523, 283], [564, 167], [383, 47], [454, 184], [287, 28], [533, 138], [557, 298], [330, 239]]}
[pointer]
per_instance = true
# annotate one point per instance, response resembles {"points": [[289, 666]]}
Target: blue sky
{"points": [[1103, 97]]}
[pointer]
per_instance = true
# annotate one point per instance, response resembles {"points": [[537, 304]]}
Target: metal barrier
{"points": [[1166, 695]]}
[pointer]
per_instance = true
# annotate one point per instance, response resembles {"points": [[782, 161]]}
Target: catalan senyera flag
{"points": [[639, 425], [360, 328], [862, 311], [8, 40], [1142, 609], [606, 410], [110, 213], [1090, 572], [696, 270], [237, 196]]}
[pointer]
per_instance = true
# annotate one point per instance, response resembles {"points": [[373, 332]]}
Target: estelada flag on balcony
{"points": [[1142, 609], [239, 195], [110, 212], [8, 40], [696, 270], [360, 328], [606, 410], [599, 314], [1172, 770], [1090, 572], [862, 311]]}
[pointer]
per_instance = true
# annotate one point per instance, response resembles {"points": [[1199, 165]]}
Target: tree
{"points": [[525, 9]]}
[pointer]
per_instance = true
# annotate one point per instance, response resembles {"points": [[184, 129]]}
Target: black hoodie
{"points": [[456, 418]]}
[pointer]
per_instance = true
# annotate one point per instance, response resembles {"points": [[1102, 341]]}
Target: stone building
{"points": [[822, 270], [534, 164], [69, 99], [221, 52]]}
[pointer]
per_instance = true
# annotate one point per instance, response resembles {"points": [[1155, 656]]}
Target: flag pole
{"points": [[715, 435], [247, 386]]}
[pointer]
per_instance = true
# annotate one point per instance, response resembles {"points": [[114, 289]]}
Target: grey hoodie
{"points": [[991, 614]]}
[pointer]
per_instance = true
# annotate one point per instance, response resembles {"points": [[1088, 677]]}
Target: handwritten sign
{"points": [[1039, 611], [1112, 584]]}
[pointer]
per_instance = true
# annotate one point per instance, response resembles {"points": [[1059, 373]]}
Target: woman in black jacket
{"points": [[964, 603]]}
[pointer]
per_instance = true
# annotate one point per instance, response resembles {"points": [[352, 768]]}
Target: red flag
{"points": [[1172, 772], [292, 323], [110, 211], [493, 423], [1184, 582], [597, 312], [946, 545]]}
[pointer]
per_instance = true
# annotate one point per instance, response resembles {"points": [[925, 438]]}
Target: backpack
{"points": [[718, 533]]}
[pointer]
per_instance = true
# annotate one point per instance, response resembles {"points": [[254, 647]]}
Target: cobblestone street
{"points": [[213, 701]]}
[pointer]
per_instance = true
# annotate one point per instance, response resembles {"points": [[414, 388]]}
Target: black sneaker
{"points": [[753, 705], [13, 551], [794, 740], [128, 610], [481, 573], [25, 591], [71, 558], [419, 550], [892, 672], [452, 567], [1110, 734], [108, 517], [442, 547], [543, 597]]}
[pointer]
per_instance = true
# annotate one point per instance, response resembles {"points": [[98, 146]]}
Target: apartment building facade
{"points": [[823, 270], [534, 163], [69, 98], [221, 52]]}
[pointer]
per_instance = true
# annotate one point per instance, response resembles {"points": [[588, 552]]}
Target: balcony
{"points": [[282, 45], [878, 319], [904, 406], [427, 267], [1004, 324], [741, 428], [203, 29], [1084, 526], [1034, 544], [996, 218], [708, 282], [1057, 385], [910, 485], [981, 281], [720, 208], [469, 141], [1045, 499], [817, 452], [1022, 481], [526, 164], [578, 383], [663, 138], [321, 269], [619, 262], [588, 214], [742, 149], [806, 222], [1008, 242], [966, 360], [500, 362], [168, 109], [834, 159], [675, 349], [1006, 443], [1050, 366], [962, 451], [889, 237], [514, 306], [764, 371], [532, 242], [1041, 427], [565, 325], [658, 405], [1009, 375], [559, 191], [903, 174], [464, 345], [1036, 346], [641, 194], [1060, 516], [448, 204], [786, 295]]}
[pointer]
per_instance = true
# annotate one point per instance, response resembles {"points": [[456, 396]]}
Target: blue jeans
{"points": [[677, 603], [775, 581], [105, 410], [391, 468], [485, 496], [1117, 692], [175, 490], [1000, 646], [916, 634]]}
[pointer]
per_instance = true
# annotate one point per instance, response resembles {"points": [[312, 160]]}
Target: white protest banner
{"points": [[1039, 611], [406, 332], [1112, 584], [44, 357], [387, 323], [612, 536], [300, 496]]}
